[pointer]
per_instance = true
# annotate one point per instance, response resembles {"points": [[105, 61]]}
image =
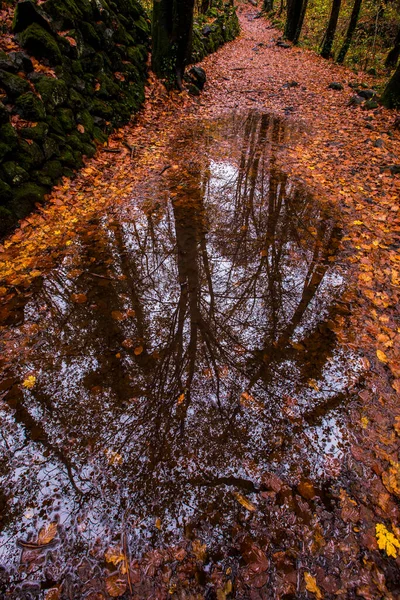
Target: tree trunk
{"points": [[300, 22], [350, 31], [331, 29], [268, 5], [393, 56], [391, 95], [172, 38], [294, 19]]}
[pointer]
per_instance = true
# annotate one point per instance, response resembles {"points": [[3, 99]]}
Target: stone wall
{"points": [[208, 35], [80, 71]]}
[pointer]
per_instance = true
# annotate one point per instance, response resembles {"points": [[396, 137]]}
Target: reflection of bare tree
{"points": [[221, 291]]}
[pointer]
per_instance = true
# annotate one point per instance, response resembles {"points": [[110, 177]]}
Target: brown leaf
{"points": [[79, 298], [47, 533], [115, 585]]}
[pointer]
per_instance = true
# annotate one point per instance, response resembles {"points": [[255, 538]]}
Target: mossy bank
{"points": [[78, 72]]}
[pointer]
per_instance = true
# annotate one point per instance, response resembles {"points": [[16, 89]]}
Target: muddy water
{"points": [[189, 387]]}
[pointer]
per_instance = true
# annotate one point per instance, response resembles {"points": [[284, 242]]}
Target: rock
{"points": [[198, 76], [37, 133], [13, 174], [5, 193], [66, 119], [13, 84], [21, 61], [371, 71], [4, 114], [394, 169], [283, 44], [336, 85], [30, 107], [29, 156], [290, 84], [53, 91], [8, 135], [371, 104], [206, 31], [4, 150], [6, 63], [41, 44], [355, 101], [52, 169], [367, 94], [26, 13], [379, 143], [25, 198]]}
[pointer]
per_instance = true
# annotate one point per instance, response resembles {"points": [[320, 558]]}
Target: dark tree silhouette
{"points": [[296, 10], [391, 95], [350, 31], [394, 53], [331, 29], [172, 37]]}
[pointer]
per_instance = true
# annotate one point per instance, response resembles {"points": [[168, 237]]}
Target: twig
{"points": [[165, 169], [131, 148], [102, 276], [32, 545], [125, 548]]}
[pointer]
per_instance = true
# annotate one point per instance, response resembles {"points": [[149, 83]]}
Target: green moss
{"points": [[53, 91], [25, 198], [65, 117], [7, 219], [76, 99], [30, 107], [38, 42], [85, 118], [13, 84], [89, 150], [101, 109], [13, 174], [5, 192], [8, 135], [99, 135], [53, 169], [4, 114], [29, 156], [37, 133], [4, 150], [67, 158]]}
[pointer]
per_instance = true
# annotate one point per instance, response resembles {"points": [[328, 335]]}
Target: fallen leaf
{"points": [[115, 586], [244, 502], [47, 533], [382, 356], [386, 540], [114, 555], [29, 382], [311, 585]]}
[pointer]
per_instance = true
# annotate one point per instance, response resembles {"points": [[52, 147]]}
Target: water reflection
{"points": [[183, 350]]}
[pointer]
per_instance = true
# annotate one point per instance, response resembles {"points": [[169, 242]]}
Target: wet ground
{"points": [[176, 416]]}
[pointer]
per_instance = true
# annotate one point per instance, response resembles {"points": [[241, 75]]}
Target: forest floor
{"points": [[341, 544]]}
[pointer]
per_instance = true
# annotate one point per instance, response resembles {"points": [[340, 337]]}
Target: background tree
{"points": [[391, 95], [394, 53], [331, 29], [350, 30], [296, 10], [172, 36]]}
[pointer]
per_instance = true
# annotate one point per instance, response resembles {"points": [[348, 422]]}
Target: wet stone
{"points": [[186, 371]]}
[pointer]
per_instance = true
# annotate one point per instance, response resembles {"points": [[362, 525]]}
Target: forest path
{"points": [[240, 463]]}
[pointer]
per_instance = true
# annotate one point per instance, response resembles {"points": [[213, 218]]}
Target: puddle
{"points": [[185, 362]]}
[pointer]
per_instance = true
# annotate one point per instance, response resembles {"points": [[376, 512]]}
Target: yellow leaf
{"points": [[244, 502], [358, 223], [117, 315], [311, 585], [386, 540], [29, 382], [382, 356], [47, 533], [114, 458], [364, 422], [199, 550], [114, 555], [158, 523], [138, 350], [181, 398]]}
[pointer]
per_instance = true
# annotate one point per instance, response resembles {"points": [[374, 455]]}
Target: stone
{"points": [[8, 135], [4, 150], [206, 31], [21, 61], [4, 114], [5, 192], [13, 174], [379, 143], [52, 169], [367, 94], [65, 117], [13, 84], [198, 76], [336, 85], [26, 13], [30, 107], [53, 91], [355, 101], [37, 133], [394, 169], [29, 156], [41, 44], [25, 198], [7, 219], [101, 109], [6, 63], [283, 44], [371, 104]]}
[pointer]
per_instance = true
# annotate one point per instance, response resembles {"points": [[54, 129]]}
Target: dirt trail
{"points": [[304, 538]]}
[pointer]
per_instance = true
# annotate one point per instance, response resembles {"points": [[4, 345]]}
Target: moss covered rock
{"points": [[13, 174], [29, 156], [30, 107], [41, 44], [53, 91], [7, 219], [65, 117], [4, 114], [37, 133], [4, 150], [5, 192], [8, 135], [25, 198], [13, 84]]}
